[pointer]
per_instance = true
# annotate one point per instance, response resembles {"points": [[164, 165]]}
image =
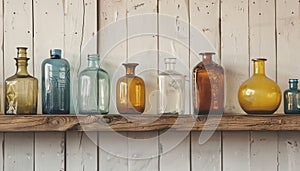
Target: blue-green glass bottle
{"points": [[292, 98], [55, 84], [93, 88]]}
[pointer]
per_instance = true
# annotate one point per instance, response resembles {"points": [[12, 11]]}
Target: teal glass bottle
{"points": [[292, 98], [93, 88], [55, 84]]}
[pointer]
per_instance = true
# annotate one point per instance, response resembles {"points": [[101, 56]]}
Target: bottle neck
{"points": [[22, 66], [207, 59], [92, 63], [259, 67], [130, 68], [294, 86]]}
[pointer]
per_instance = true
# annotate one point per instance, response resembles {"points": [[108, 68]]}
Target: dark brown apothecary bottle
{"points": [[208, 86]]}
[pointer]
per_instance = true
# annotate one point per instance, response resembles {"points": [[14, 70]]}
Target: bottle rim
{"points": [[259, 59]]}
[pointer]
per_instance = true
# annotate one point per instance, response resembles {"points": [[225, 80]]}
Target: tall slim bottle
{"points": [[208, 77], [21, 89], [56, 84], [93, 88], [171, 89]]}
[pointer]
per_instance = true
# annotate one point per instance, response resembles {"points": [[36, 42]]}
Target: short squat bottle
{"points": [[208, 86], [171, 89], [130, 92], [55, 84], [93, 88], [292, 98], [21, 90]]}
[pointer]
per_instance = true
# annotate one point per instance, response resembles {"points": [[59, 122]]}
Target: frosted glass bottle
{"points": [[21, 89], [93, 88], [171, 89], [55, 84]]}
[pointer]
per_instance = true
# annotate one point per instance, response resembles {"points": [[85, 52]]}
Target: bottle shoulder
{"points": [[58, 62], [21, 78]]}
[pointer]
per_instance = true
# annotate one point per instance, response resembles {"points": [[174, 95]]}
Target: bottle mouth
{"points": [[293, 80], [259, 59], [207, 53], [130, 64], [94, 56]]}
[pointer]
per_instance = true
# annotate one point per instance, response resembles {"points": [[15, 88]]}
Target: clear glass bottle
{"points": [[93, 88], [130, 92], [259, 94], [208, 86], [292, 98], [171, 89], [21, 90], [55, 84]]}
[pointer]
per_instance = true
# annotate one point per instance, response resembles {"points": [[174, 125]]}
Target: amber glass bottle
{"points": [[208, 86], [130, 92], [259, 94], [21, 89]]}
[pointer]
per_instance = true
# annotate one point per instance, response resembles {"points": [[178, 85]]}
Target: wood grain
{"points": [[143, 123]]}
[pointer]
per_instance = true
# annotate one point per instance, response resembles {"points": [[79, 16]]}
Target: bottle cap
{"points": [[55, 53]]}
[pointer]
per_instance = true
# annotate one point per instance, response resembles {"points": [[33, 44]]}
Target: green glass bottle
{"points": [[292, 98], [21, 90]]}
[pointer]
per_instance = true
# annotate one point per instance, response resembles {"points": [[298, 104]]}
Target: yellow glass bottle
{"points": [[130, 92], [259, 94], [21, 89]]}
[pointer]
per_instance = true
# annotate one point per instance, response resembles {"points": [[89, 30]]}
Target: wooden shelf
{"points": [[146, 122]]}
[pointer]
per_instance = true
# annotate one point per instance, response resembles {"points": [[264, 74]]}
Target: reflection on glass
{"points": [[292, 98], [93, 88], [130, 94]]}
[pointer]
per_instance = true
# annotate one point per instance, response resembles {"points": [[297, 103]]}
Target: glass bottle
{"points": [[292, 98], [208, 86], [21, 90], [259, 94], [93, 88], [130, 92], [171, 89], [55, 84]]}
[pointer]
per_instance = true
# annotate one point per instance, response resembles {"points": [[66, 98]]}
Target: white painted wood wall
{"points": [[238, 29]]}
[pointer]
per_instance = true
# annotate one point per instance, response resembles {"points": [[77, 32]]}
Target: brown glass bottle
{"points": [[21, 89], [208, 86], [130, 92]]}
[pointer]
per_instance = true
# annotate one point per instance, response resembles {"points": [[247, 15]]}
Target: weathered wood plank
{"points": [[1, 59], [236, 147], [288, 45], [149, 123], [1, 152], [18, 152], [112, 45], [143, 151], [234, 50], [113, 150], [206, 155], [50, 151], [81, 150], [264, 150], [174, 148], [80, 28], [288, 151]]}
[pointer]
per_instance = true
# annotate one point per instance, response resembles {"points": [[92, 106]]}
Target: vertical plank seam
{"points": [[190, 150], [65, 149], [3, 151], [33, 35], [220, 30], [277, 133], [157, 81], [222, 151], [98, 153], [82, 33], [33, 155], [249, 39], [276, 43], [127, 42], [250, 148], [2, 48]]}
